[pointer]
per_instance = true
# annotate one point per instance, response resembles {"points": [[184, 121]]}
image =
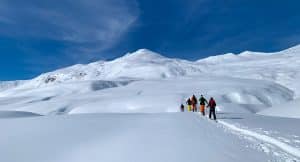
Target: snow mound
{"points": [[290, 110], [16, 114]]}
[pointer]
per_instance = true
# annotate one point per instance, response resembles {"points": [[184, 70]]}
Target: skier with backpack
{"points": [[202, 101], [189, 104], [194, 103], [212, 108]]}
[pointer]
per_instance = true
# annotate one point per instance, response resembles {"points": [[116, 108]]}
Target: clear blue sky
{"points": [[39, 36]]}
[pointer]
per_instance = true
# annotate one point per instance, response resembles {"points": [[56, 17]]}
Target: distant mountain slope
{"points": [[280, 67], [246, 56], [5, 85], [142, 64]]}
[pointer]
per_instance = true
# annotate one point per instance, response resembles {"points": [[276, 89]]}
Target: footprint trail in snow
{"points": [[265, 143]]}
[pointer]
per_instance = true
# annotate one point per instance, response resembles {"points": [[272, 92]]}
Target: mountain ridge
{"points": [[147, 64]]}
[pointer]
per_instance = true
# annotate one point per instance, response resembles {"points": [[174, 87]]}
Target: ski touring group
{"points": [[192, 104]]}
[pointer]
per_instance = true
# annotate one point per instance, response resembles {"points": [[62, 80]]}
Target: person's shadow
{"points": [[230, 118]]}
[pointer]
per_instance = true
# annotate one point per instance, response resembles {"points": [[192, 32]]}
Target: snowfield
{"points": [[125, 110], [122, 137], [161, 137], [280, 67], [232, 94], [288, 109]]}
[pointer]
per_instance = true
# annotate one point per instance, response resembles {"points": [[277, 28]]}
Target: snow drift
{"points": [[232, 94], [288, 109]]}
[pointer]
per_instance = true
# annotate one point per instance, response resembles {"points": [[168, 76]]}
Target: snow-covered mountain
{"points": [[142, 64], [279, 67], [293, 52], [4, 85], [151, 76]]}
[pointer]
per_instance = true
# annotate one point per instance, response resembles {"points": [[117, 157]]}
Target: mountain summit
{"points": [[141, 64], [143, 54]]}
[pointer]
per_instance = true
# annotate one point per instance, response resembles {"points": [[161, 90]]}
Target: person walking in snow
{"points": [[189, 104], [182, 108], [194, 103], [212, 108], [202, 101]]}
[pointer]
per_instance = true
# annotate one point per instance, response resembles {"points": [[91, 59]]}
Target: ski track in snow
{"points": [[267, 142]]}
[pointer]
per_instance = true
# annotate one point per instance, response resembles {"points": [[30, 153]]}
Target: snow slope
{"points": [[6, 85], [280, 67], [272, 135], [289, 109], [16, 114], [165, 137], [122, 137], [142, 64], [232, 95]]}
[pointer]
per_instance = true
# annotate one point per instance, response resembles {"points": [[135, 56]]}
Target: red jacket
{"points": [[212, 103]]}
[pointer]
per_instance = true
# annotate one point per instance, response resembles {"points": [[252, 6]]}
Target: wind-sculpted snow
{"points": [[287, 109], [16, 114], [99, 85], [53, 99], [232, 95]]}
